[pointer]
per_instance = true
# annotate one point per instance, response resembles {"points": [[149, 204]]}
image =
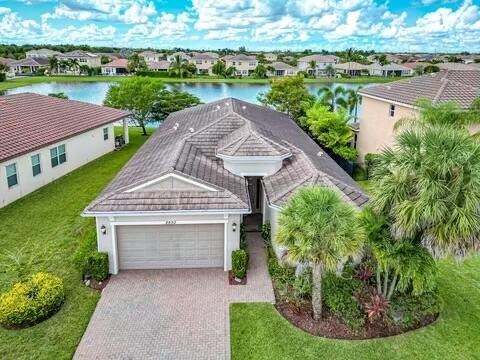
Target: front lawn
{"points": [[42, 231]]}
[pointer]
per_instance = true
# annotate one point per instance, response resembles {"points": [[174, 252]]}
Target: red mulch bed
{"points": [[98, 285], [232, 281], [333, 327]]}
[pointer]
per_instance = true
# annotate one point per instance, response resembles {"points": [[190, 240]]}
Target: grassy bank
{"points": [[42, 230], [10, 84]]}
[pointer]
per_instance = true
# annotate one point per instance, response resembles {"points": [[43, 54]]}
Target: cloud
{"points": [[167, 26], [286, 29]]}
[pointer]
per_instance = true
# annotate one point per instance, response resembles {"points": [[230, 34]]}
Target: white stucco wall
{"points": [[251, 166], [107, 242], [80, 150]]}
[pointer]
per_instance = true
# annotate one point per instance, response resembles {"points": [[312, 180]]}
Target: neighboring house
{"points": [[392, 69], [244, 64], [203, 62], [115, 67], [271, 57], [321, 63], [83, 58], [457, 66], [183, 56], [41, 53], [44, 138], [352, 68], [151, 56], [180, 201], [29, 66], [383, 105], [282, 69], [162, 65], [9, 62]]}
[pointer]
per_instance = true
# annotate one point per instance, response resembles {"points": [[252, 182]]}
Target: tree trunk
{"points": [[317, 273], [385, 283], [393, 284], [379, 280], [144, 130]]}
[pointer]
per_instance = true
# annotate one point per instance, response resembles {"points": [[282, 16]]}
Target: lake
{"points": [[94, 92]]}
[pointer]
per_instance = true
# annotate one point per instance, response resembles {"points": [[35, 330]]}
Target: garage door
{"points": [[170, 246]]}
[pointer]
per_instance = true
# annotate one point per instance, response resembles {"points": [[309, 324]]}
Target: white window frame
{"points": [[57, 155], [39, 164], [391, 110], [105, 134], [13, 174]]}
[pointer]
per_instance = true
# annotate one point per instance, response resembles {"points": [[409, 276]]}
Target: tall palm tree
{"points": [[73, 64], [332, 98], [313, 66], [177, 67], [330, 70], [352, 100], [53, 64], [318, 228]]}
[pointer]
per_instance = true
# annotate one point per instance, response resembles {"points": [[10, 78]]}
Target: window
{"points": [[392, 110], [105, 133], [198, 61], [36, 167], [58, 155], [12, 178]]}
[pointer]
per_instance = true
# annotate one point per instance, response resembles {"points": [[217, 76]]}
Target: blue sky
{"points": [[391, 25]]}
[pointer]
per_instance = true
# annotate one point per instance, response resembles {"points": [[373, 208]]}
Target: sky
{"points": [[391, 25]]}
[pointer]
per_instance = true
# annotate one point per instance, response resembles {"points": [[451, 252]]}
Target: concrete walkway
{"points": [[172, 314]]}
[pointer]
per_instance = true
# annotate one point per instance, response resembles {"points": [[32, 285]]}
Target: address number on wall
{"points": [[171, 222]]}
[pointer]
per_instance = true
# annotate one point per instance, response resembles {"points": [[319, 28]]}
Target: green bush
{"points": [[31, 301], [338, 295], [302, 286], [87, 246], [407, 310], [370, 160], [243, 237], [267, 233], [239, 263], [156, 74], [3, 77], [96, 265]]}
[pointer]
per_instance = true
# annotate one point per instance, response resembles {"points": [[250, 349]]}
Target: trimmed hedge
{"points": [[31, 301], [155, 74], [239, 263], [96, 265], [243, 237]]}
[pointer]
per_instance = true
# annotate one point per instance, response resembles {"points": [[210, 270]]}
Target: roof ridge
{"points": [[439, 93]]}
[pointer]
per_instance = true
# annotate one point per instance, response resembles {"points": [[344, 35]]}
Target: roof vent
{"points": [[191, 130], [218, 107], [244, 107], [175, 127], [320, 153], [227, 103], [389, 87]]}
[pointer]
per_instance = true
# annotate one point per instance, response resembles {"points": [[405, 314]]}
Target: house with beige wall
{"points": [[203, 62], [41, 53], [151, 56], [244, 64], [83, 58], [384, 105], [37, 147], [322, 62]]}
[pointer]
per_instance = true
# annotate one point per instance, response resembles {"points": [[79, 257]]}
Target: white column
{"points": [[125, 130]]}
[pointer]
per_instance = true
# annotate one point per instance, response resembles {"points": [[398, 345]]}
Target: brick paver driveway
{"points": [[171, 314]]}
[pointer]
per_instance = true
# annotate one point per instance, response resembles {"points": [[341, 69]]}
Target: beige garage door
{"points": [[170, 246]]}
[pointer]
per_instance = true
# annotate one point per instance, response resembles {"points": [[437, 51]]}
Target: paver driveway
{"points": [[172, 314]]}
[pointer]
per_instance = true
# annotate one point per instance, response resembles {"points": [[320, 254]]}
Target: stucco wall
{"points": [[79, 149], [376, 125], [106, 242]]}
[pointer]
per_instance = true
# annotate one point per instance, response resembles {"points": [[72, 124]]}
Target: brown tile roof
{"points": [[458, 86], [278, 65], [187, 144], [7, 61], [117, 63], [31, 121], [31, 62], [319, 58], [159, 65]]}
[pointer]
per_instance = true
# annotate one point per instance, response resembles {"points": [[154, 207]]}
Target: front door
{"points": [[255, 192]]}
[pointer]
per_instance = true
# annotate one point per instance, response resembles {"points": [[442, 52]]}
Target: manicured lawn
{"points": [[259, 332], [43, 230], [41, 79]]}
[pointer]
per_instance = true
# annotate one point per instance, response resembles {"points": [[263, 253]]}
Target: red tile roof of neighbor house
{"points": [[117, 63], [31, 121]]}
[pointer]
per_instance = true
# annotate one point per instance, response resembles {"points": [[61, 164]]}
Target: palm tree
{"points": [[428, 186], [177, 67], [73, 64], [330, 70], [63, 65], [318, 228], [313, 66], [230, 71], [352, 100], [332, 98], [53, 64]]}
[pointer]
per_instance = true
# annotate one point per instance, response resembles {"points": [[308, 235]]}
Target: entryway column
{"points": [[125, 130]]}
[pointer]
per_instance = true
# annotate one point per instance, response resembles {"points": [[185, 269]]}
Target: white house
{"points": [[41, 53], [44, 138], [183, 56], [115, 67], [83, 58], [203, 62], [320, 62], [151, 56], [181, 199], [244, 64]]}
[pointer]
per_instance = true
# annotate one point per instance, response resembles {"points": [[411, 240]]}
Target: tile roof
{"points": [[457, 66], [31, 121], [278, 65], [319, 58], [31, 62], [117, 63], [159, 65], [77, 54], [459, 86], [240, 57], [187, 144], [351, 66]]}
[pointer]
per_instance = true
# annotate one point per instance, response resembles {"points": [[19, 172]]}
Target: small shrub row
{"points": [[408, 310], [89, 261], [267, 233], [239, 263], [31, 301]]}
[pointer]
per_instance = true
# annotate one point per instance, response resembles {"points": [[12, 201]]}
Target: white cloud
{"points": [[167, 26], [285, 29]]}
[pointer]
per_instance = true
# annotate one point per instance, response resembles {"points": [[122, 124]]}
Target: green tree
{"points": [[59, 95], [261, 59], [352, 100], [332, 130], [260, 71], [332, 98], [219, 68], [136, 63], [319, 228], [230, 71], [3, 71], [330, 70], [312, 67], [104, 59], [137, 95], [181, 68], [288, 95], [73, 65], [53, 65], [171, 101], [431, 69]]}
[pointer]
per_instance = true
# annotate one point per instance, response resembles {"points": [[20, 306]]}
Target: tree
{"points": [[330, 70], [181, 68], [261, 59], [53, 64], [104, 59], [317, 227], [260, 71], [381, 59], [312, 65], [331, 98], [288, 95], [136, 63], [230, 71], [171, 101], [59, 95], [3, 71], [431, 69], [352, 100], [332, 130], [219, 68], [73, 65], [137, 95]]}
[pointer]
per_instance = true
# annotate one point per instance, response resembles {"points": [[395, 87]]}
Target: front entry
{"points": [[255, 192]]}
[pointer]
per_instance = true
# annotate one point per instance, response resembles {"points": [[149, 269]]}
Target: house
{"points": [[282, 69], [29, 65], [183, 56], [83, 58], [392, 69], [44, 138], [270, 57], [244, 64], [457, 66], [203, 63], [322, 63], [41, 53], [162, 65], [352, 69], [10, 73], [151, 56], [115, 67], [383, 105], [180, 201]]}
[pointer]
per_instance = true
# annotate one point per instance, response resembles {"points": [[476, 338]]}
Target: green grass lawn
{"points": [[258, 331], [43, 230], [10, 84]]}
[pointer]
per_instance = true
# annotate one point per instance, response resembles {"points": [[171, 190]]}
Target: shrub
{"points": [[156, 74], [96, 265], [3, 77], [408, 310], [302, 286], [243, 237], [370, 160], [239, 263], [86, 247], [267, 233], [31, 301], [339, 296]]}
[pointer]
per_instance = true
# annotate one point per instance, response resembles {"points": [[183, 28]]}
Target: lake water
{"points": [[94, 92]]}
